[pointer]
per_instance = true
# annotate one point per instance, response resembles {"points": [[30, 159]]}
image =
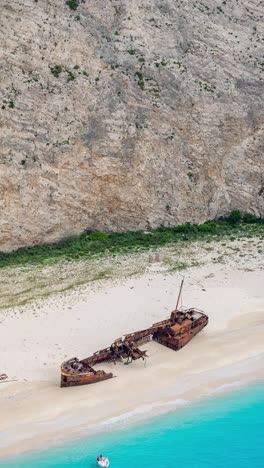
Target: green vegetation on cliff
{"points": [[87, 245]]}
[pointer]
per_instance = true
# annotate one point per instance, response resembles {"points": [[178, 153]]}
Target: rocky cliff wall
{"points": [[128, 114]]}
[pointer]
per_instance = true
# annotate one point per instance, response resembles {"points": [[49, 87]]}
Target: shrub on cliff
{"points": [[208, 227], [235, 217], [72, 4], [98, 236], [250, 218]]}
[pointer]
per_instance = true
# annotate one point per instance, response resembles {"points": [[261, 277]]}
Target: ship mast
{"points": [[179, 295]]}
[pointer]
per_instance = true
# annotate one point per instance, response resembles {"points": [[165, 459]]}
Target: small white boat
{"points": [[102, 461]]}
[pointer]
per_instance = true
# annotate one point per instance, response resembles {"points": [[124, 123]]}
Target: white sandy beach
{"points": [[37, 337]]}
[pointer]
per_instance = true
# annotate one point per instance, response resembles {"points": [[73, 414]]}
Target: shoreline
{"points": [[72, 428], [37, 337]]}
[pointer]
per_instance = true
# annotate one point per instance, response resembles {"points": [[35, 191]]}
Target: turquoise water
{"points": [[227, 431]]}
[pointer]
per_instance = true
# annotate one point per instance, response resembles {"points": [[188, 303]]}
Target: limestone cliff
{"points": [[128, 114]]}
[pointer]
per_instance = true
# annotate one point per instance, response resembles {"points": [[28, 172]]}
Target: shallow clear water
{"points": [[226, 431]]}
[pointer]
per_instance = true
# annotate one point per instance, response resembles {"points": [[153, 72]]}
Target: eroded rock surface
{"points": [[127, 114]]}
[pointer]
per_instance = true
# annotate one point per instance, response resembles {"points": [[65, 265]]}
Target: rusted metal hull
{"points": [[71, 380], [177, 342], [174, 333]]}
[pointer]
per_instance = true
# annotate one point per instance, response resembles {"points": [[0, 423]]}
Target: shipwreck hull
{"points": [[179, 340], [71, 380], [174, 332]]}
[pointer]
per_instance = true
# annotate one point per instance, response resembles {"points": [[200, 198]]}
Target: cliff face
{"points": [[128, 114]]}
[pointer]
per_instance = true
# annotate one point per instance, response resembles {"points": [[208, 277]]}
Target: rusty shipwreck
{"points": [[174, 332]]}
